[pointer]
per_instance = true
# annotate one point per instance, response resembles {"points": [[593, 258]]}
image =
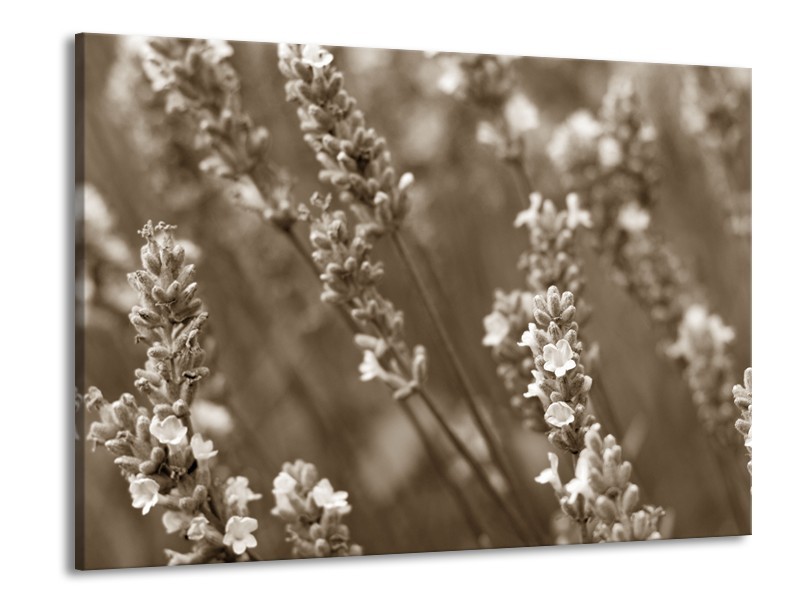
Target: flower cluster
{"points": [[350, 279], [313, 513], [743, 399], [559, 380], [511, 314], [612, 163], [601, 499], [703, 348], [353, 157], [551, 259], [200, 91], [164, 462], [487, 82], [715, 111]]}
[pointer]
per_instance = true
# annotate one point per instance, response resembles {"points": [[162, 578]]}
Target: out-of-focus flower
{"points": [[202, 450], [217, 50], [144, 492], [211, 418], [316, 56], [558, 358], [451, 78], [633, 218], [520, 114], [609, 152], [575, 214], [559, 414], [197, 528], [169, 430], [487, 134], [238, 493], [528, 216], [175, 520], [497, 327], [370, 368], [575, 140], [550, 475], [239, 534], [325, 497]]}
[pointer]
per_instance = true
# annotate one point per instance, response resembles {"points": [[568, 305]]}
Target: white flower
{"points": [[238, 493], [559, 414], [497, 327], [326, 498], [580, 483], [575, 215], [211, 418], [197, 528], [316, 56], [487, 134], [558, 358], [201, 449], [239, 534], [370, 368], [575, 140], [451, 78], [528, 338], [406, 181], [609, 152], [217, 51], [520, 114], [175, 521], [632, 218], [144, 492], [550, 475], [529, 216], [282, 487], [168, 431]]}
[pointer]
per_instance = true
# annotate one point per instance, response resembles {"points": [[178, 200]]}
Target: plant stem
{"points": [[441, 470], [462, 378]]}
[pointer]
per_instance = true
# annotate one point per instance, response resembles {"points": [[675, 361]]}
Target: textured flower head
{"points": [[239, 534], [169, 430], [559, 414], [558, 358], [316, 56], [497, 328], [144, 492], [325, 497], [550, 475], [238, 493], [575, 214], [202, 450]]}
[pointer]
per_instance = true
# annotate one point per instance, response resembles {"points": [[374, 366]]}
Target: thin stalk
{"points": [[603, 405], [462, 378], [523, 181], [516, 521], [460, 499]]}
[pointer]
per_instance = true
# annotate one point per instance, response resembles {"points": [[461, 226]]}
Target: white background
{"points": [[36, 392]]}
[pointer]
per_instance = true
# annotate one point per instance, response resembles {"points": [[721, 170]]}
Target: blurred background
{"points": [[286, 383]]}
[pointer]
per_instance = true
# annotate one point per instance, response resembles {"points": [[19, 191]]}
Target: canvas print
{"points": [[334, 302]]}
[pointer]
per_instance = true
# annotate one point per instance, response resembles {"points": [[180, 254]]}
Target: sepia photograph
{"points": [[339, 301]]}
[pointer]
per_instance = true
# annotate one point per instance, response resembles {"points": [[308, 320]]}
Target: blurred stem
{"points": [[462, 377], [441, 470], [523, 181]]}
